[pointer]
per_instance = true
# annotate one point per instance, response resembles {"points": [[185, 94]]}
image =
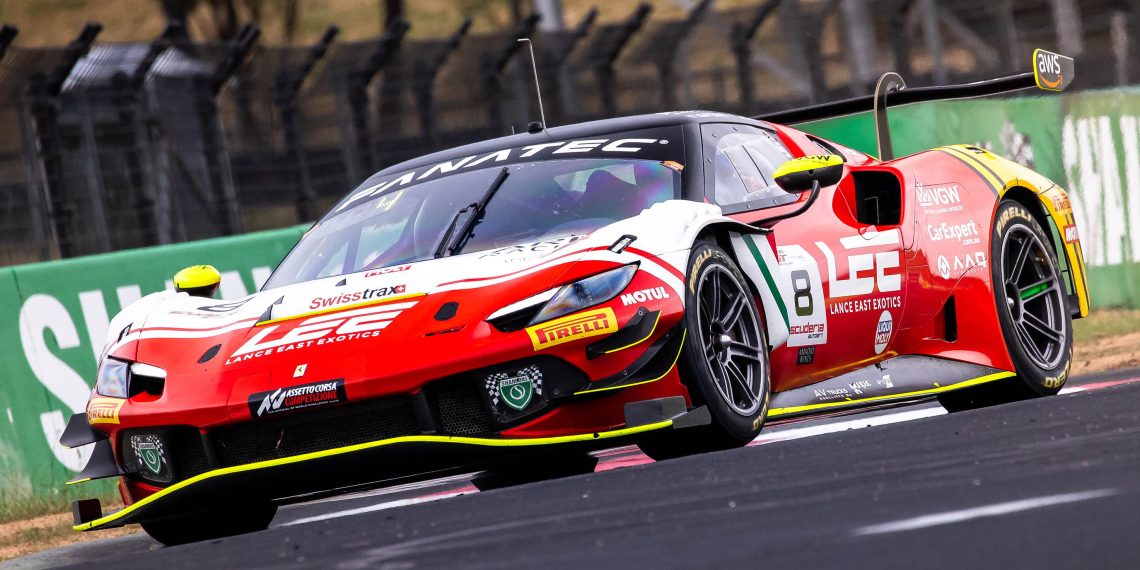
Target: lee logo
{"points": [[857, 263], [573, 327], [104, 410], [338, 327]]}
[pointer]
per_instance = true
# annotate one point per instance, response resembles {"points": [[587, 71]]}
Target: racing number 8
{"points": [[801, 285]]}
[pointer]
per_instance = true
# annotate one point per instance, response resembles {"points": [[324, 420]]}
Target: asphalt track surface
{"points": [[1049, 483]]}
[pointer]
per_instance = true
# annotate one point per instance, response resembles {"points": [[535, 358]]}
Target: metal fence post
{"points": [[286, 91], [556, 58], [605, 51], [358, 82], [423, 83], [43, 102], [493, 66], [213, 139], [741, 41]]}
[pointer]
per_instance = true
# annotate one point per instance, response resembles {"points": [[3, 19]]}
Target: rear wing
{"points": [[1051, 72]]}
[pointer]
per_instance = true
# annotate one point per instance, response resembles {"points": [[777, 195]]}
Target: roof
{"points": [[564, 132]]}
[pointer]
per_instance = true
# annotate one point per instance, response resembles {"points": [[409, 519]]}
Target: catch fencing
{"points": [[106, 146]]}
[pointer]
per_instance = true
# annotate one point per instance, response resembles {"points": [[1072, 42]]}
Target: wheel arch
{"points": [[763, 275], [1070, 262]]}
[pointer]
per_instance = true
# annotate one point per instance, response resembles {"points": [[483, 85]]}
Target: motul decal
{"points": [[296, 398]]}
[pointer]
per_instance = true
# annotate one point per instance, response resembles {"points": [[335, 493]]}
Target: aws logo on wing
{"points": [[356, 296]]}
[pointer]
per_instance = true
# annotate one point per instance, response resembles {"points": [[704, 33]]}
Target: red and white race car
{"points": [[671, 280]]}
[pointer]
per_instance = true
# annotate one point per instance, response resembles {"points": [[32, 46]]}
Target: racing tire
{"points": [[1032, 311], [210, 525], [724, 361]]}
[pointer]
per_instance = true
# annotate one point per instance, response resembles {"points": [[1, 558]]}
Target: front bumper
{"points": [[374, 461]]}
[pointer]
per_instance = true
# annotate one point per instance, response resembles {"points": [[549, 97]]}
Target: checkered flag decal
{"points": [[493, 386]]}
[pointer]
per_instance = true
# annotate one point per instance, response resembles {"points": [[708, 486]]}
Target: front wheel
{"points": [[1032, 311], [724, 361]]}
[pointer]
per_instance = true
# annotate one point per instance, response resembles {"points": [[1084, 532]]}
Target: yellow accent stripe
{"points": [[78, 481], [927, 392], [344, 308], [985, 173], [485, 442], [675, 359], [637, 342]]}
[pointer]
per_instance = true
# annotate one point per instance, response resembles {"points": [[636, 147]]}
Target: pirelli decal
{"points": [[104, 410], [574, 327]]}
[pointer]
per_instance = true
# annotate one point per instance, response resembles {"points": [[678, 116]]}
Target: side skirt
{"points": [[900, 378]]}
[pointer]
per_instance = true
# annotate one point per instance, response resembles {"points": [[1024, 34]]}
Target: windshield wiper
{"points": [[470, 215]]}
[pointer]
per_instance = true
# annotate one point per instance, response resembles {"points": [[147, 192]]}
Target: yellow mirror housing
{"points": [[798, 174], [198, 280]]}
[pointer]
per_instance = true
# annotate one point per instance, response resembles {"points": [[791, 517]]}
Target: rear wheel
{"points": [[211, 525], [1032, 310], [724, 362]]}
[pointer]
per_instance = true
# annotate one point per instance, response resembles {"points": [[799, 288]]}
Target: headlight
{"points": [[112, 379], [119, 379], [586, 293]]}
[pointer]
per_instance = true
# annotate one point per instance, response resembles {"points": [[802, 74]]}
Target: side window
{"points": [[743, 160]]}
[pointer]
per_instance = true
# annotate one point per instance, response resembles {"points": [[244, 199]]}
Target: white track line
{"points": [[998, 509], [778, 434], [379, 507]]}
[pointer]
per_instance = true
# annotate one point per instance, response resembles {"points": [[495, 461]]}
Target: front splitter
{"points": [[345, 466]]}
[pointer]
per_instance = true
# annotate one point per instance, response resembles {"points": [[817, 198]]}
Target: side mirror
{"points": [[198, 280], [799, 174]]}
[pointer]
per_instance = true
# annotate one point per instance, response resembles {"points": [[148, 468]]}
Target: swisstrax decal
{"points": [[355, 296], [296, 398]]}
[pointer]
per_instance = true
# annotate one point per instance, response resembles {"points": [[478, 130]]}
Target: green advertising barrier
{"points": [[55, 316], [1087, 142]]}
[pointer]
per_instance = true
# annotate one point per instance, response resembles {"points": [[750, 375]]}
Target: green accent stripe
{"points": [[767, 277], [1034, 290]]}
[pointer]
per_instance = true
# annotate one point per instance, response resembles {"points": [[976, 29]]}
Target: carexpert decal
{"points": [[296, 398], [652, 144]]}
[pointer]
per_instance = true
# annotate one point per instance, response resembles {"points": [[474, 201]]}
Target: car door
{"points": [[842, 259]]}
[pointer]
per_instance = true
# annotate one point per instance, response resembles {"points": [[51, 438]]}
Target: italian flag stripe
{"points": [[760, 262]]}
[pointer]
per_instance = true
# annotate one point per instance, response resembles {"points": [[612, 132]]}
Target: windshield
{"points": [[537, 201]]}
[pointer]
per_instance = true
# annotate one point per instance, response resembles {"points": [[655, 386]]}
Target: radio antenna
{"points": [[537, 89]]}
